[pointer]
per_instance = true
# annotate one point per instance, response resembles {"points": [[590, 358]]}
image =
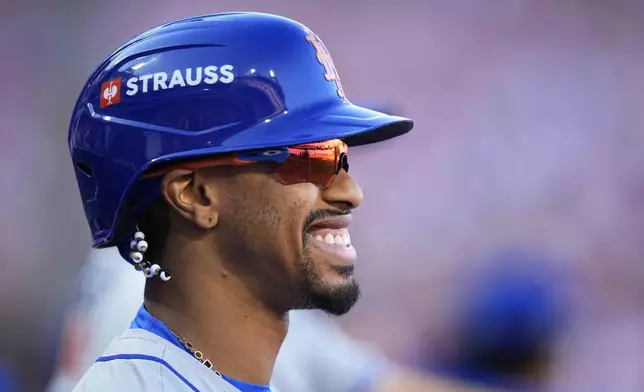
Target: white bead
{"points": [[138, 236], [155, 269], [142, 246], [137, 257], [148, 272], [165, 277], [133, 245]]}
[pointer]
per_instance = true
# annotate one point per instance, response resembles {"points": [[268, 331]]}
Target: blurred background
{"points": [[501, 239]]}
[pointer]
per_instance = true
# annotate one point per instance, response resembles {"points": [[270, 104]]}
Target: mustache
{"points": [[321, 214]]}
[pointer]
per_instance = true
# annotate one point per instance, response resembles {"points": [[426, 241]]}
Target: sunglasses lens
{"points": [[318, 163], [311, 163], [323, 167]]}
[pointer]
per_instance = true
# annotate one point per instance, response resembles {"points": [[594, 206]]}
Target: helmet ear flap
{"points": [[86, 180]]}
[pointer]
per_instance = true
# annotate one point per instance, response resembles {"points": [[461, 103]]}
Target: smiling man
{"points": [[223, 177]]}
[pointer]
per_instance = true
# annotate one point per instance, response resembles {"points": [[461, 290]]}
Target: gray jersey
{"points": [[140, 361]]}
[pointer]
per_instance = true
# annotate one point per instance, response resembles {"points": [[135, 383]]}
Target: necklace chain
{"points": [[197, 354]]}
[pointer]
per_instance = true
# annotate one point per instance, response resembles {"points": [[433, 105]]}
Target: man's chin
{"points": [[336, 301]]}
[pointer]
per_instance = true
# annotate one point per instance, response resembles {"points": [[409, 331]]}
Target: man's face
{"points": [[291, 242]]}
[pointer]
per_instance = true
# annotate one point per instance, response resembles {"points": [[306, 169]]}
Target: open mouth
{"points": [[332, 237]]}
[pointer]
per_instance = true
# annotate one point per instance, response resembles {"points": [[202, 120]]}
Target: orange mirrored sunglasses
{"points": [[318, 163]]}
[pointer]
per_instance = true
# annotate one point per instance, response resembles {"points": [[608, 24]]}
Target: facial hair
{"points": [[314, 292]]}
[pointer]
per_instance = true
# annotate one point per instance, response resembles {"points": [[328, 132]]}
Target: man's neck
{"points": [[220, 318]]}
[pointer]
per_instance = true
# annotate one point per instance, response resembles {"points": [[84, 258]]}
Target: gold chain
{"points": [[197, 354]]}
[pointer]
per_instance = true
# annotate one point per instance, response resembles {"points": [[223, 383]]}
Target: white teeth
{"points": [[339, 240], [342, 239]]}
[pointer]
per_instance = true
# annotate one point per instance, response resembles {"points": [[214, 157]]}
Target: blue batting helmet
{"points": [[201, 86]]}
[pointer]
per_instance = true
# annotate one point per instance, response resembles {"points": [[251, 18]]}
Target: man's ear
{"points": [[191, 197]]}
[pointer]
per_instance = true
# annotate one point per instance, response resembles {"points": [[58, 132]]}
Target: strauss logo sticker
{"points": [[111, 92]]}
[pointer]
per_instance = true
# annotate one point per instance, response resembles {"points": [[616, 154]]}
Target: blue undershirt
{"points": [[145, 320]]}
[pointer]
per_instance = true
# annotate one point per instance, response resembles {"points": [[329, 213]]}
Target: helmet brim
{"points": [[353, 124]]}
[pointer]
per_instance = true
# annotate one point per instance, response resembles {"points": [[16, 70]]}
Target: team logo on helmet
{"points": [[111, 92], [324, 58]]}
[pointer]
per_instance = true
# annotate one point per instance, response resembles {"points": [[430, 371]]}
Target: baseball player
{"points": [[212, 152], [316, 356]]}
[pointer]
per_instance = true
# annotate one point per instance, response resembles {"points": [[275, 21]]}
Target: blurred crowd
{"points": [[499, 244]]}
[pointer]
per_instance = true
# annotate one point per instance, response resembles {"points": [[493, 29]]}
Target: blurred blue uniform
{"points": [[7, 381], [509, 320]]}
